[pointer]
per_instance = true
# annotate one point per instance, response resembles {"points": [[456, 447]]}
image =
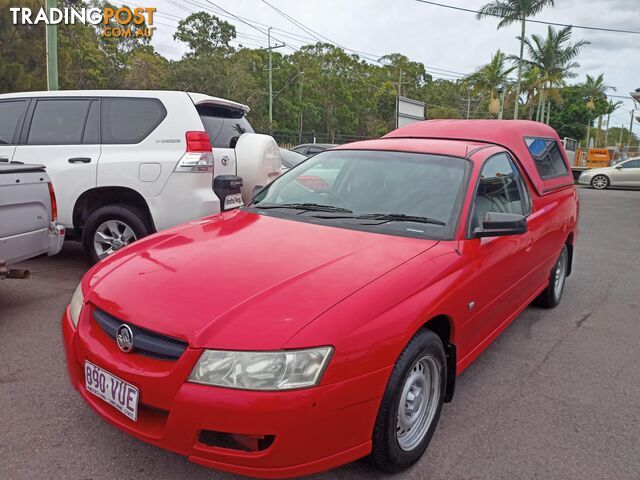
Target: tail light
{"points": [[54, 203], [199, 155]]}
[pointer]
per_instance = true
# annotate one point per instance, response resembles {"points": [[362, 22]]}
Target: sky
{"points": [[445, 40]]}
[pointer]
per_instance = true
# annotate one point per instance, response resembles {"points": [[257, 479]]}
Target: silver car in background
{"points": [[623, 174]]}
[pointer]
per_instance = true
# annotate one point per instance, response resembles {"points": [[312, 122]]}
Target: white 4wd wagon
{"points": [[127, 163]]}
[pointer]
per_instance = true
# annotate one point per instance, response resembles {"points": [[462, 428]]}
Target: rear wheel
{"points": [[111, 228], [599, 182], [551, 296], [411, 404]]}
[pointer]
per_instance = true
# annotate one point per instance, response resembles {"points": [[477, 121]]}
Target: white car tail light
{"points": [[199, 156]]}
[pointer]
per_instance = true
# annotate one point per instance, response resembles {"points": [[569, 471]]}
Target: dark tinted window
{"points": [[632, 164], [58, 122], [315, 150], [499, 190], [91, 129], [11, 114], [130, 120], [547, 157], [223, 125]]}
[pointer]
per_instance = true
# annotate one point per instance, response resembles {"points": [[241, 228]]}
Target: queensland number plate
{"points": [[111, 389], [233, 201]]}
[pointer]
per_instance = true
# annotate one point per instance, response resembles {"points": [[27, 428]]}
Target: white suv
{"points": [[128, 163]]}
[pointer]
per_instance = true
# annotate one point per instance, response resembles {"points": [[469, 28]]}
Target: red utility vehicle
{"points": [[328, 319]]}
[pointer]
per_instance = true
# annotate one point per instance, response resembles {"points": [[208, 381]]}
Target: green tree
{"points": [[553, 56], [512, 11], [204, 33], [489, 77], [146, 70]]}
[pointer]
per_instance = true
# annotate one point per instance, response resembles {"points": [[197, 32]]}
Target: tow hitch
{"points": [[13, 273]]}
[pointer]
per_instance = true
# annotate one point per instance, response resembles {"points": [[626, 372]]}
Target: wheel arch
{"points": [[99, 197], [569, 244], [443, 326]]}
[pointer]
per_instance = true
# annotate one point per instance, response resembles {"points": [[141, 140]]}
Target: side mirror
{"points": [[500, 224], [618, 167]]}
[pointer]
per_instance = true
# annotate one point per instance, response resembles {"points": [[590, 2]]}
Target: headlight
{"points": [[283, 370], [75, 306]]}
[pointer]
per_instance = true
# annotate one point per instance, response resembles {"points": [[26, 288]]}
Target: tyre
{"points": [[552, 295], [110, 228], [411, 404], [600, 182]]}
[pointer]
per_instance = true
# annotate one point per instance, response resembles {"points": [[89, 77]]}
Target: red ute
{"points": [[328, 319]]}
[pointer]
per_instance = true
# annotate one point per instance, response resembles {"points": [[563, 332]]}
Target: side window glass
{"points": [[547, 157], [130, 120], [58, 122], [91, 130], [499, 190], [632, 164], [11, 114]]}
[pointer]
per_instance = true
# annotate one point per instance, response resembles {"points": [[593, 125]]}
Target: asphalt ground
{"points": [[556, 396]]}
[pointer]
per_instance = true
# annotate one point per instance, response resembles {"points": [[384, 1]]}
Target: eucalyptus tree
{"points": [[509, 12]]}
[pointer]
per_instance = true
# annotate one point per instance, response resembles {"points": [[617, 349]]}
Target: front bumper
{"points": [[314, 429], [584, 179]]}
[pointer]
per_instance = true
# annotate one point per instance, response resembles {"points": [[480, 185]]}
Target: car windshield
{"points": [[401, 193]]}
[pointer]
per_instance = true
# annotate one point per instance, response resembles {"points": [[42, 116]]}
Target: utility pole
{"points": [[52, 50], [620, 142], [270, 48], [630, 130], [503, 91], [606, 134], [300, 124]]}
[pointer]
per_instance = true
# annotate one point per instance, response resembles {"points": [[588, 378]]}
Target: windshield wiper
{"points": [[390, 217], [310, 207]]}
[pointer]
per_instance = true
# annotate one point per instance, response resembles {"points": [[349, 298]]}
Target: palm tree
{"points": [[489, 77], [596, 90], [511, 11], [611, 107], [532, 86], [553, 56]]}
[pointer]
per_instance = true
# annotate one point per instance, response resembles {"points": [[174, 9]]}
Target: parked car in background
{"points": [[623, 174], [129, 163], [290, 158], [311, 149], [404, 267], [28, 225]]}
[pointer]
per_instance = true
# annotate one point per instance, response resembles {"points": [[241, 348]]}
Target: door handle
{"points": [[80, 160], [4, 159]]}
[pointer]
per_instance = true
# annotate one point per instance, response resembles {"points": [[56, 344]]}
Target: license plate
{"points": [[113, 390], [233, 201]]}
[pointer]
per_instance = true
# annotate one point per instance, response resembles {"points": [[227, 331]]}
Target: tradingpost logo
{"points": [[111, 22]]}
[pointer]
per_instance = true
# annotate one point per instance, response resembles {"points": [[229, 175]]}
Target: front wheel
{"points": [[111, 228], [411, 404], [599, 182]]}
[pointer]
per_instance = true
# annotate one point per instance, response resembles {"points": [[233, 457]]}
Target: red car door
{"points": [[498, 266]]}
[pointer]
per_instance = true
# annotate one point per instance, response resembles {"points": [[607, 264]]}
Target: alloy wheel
{"points": [[600, 182], [111, 236]]}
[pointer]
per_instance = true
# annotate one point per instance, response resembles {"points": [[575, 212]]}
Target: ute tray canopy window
{"points": [[510, 134]]}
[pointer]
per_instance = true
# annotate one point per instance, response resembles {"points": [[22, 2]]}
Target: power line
{"points": [[555, 24]]}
